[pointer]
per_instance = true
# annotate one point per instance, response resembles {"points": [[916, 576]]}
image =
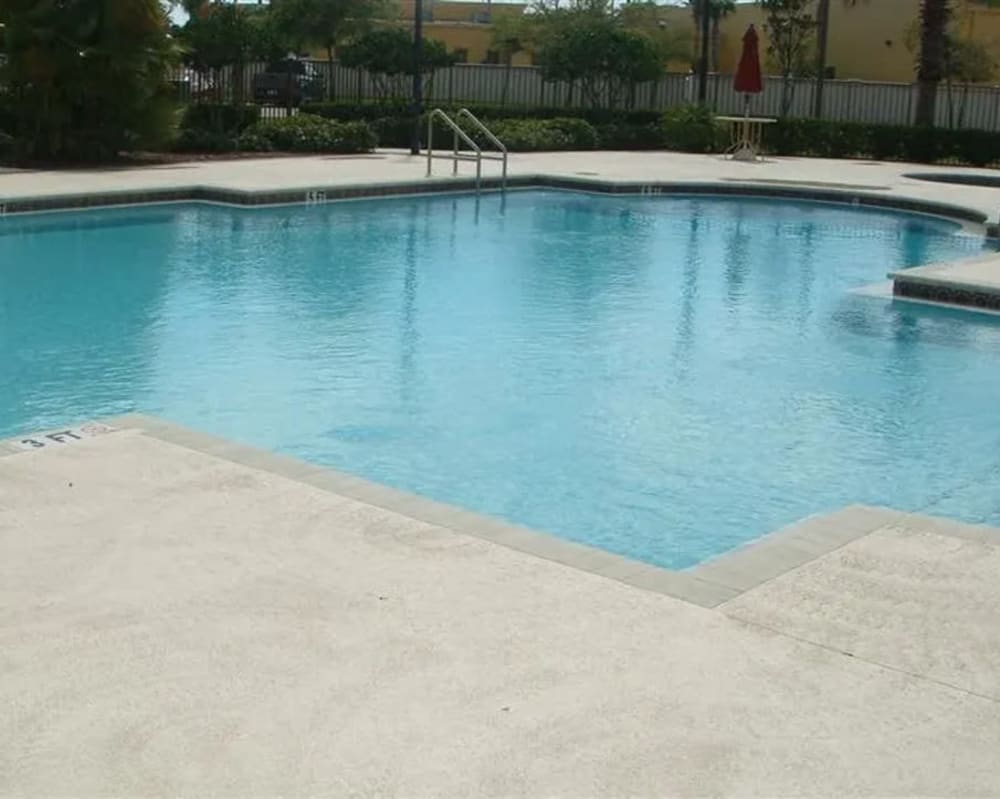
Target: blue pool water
{"points": [[663, 378]]}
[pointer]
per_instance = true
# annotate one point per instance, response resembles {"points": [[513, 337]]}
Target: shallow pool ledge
{"points": [[973, 282]]}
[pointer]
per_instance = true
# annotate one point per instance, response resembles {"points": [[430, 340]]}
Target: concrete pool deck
{"points": [[184, 615], [176, 621], [843, 178]]}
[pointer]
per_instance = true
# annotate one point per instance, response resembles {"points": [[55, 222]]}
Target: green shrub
{"points": [[528, 135], [220, 117], [6, 145], [831, 139], [886, 142], [252, 141], [357, 126], [195, 140], [370, 112], [977, 147], [366, 112], [630, 136], [305, 133], [692, 129], [397, 131]]}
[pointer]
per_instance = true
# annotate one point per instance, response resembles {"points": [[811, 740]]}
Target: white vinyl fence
{"points": [[847, 100]]}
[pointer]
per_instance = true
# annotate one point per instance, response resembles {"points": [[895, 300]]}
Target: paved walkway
{"points": [[176, 623], [391, 166]]}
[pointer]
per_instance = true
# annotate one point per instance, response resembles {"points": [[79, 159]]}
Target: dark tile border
{"points": [[948, 295]]}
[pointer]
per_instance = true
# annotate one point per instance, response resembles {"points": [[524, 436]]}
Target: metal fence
{"points": [[845, 100]]}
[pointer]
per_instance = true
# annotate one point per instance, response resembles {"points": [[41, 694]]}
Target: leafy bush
{"points": [[630, 136], [398, 108], [6, 145], [692, 129], [397, 131], [527, 135], [252, 141], [220, 117], [196, 140], [304, 133], [829, 139], [977, 147], [686, 128]]}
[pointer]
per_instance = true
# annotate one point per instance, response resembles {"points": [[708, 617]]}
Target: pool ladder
{"points": [[459, 134]]}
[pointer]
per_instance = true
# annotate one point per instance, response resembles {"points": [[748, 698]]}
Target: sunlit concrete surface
{"points": [[867, 177], [176, 623]]}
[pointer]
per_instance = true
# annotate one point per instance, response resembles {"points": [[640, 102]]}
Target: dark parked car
{"points": [[290, 79]]}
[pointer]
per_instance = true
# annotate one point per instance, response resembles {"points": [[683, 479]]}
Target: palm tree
{"points": [[822, 40], [934, 17], [717, 9]]}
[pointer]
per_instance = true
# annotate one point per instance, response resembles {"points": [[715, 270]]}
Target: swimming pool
{"points": [[664, 378]]}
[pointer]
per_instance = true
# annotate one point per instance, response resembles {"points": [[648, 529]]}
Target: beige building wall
{"points": [[873, 40]]}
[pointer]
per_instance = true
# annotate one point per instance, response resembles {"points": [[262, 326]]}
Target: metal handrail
{"points": [[459, 134], [465, 112]]}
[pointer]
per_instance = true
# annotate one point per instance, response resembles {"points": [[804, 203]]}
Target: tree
{"points": [[964, 62], [509, 34], [324, 23], [590, 45], [88, 78], [717, 11], [789, 26], [387, 55], [934, 18], [673, 42], [229, 35]]}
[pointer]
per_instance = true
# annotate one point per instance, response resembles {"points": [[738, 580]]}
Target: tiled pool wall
{"points": [[948, 295]]}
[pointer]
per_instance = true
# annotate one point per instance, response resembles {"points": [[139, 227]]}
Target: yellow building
{"points": [[873, 40], [465, 28]]}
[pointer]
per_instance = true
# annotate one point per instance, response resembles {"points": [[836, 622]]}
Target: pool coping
{"points": [[708, 584], [323, 193]]}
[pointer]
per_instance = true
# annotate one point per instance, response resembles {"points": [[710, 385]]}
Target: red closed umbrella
{"points": [[747, 79]]}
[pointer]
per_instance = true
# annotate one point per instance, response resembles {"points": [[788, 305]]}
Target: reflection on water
{"points": [[663, 378]]}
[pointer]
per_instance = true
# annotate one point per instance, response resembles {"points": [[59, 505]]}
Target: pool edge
{"points": [[708, 584], [322, 194]]}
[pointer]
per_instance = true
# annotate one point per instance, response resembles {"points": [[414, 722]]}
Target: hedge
{"points": [[392, 122], [684, 128], [395, 108], [302, 133], [305, 133], [220, 118], [826, 139]]}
